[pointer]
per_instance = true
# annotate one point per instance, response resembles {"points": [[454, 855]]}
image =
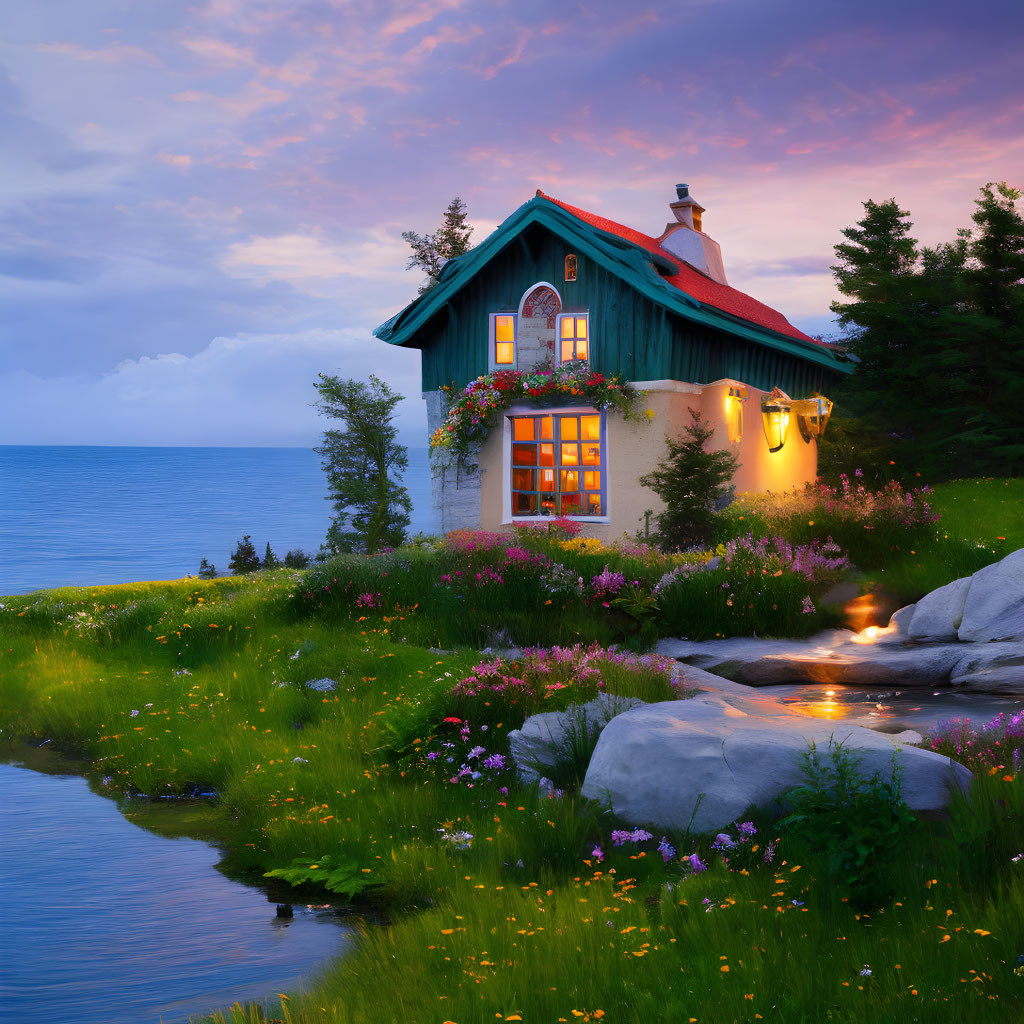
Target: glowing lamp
{"points": [[812, 415], [734, 413], [775, 416]]}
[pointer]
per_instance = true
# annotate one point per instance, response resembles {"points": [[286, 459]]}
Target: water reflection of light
{"points": [[871, 634]]}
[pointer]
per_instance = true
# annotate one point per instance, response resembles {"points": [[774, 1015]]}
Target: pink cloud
{"points": [[216, 51], [182, 160], [113, 54]]}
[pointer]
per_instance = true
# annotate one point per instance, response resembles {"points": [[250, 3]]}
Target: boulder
{"points": [[900, 619], [994, 609], [541, 742], [937, 615], [706, 760]]}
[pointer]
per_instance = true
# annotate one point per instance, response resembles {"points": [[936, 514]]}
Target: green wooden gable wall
{"points": [[630, 331]]}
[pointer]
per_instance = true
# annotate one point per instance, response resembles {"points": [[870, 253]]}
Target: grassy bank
{"points": [[502, 902]]}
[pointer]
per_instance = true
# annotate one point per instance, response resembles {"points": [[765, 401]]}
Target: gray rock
{"points": [[706, 760], [994, 609], [539, 745], [901, 620], [937, 615]]}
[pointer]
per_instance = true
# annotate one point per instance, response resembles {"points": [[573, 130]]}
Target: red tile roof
{"points": [[692, 282]]}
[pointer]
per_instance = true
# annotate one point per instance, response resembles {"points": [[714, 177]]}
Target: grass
{"points": [[538, 916]]}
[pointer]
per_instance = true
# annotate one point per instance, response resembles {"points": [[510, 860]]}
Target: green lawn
{"points": [[163, 687]]}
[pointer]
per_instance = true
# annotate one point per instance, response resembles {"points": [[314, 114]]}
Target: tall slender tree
{"points": [[431, 252], [364, 464]]}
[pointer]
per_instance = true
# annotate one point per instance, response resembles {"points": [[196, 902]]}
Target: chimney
{"points": [[687, 210], [685, 239]]}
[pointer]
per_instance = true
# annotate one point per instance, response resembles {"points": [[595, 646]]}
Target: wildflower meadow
{"points": [[343, 733]]}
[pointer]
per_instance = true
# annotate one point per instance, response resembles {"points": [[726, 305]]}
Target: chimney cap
{"points": [[683, 191]]}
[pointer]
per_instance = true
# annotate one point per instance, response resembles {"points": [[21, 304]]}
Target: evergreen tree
{"points": [[297, 559], [244, 558], [270, 560], [431, 252], [364, 464], [995, 285], [207, 571], [692, 482]]}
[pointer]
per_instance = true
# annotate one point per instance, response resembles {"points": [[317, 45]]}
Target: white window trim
{"points": [[558, 339], [506, 459], [492, 364]]}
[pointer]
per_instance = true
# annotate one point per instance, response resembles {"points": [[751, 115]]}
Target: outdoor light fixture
{"points": [[734, 413], [775, 414], [812, 415]]}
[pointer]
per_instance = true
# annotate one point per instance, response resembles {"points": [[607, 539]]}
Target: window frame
{"points": [[508, 516], [492, 361], [582, 315]]}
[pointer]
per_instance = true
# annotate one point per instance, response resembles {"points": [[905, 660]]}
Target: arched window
{"points": [[570, 267], [541, 301]]}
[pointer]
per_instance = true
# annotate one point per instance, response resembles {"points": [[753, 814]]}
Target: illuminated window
{"points": [[502, 341], [573, 337], [558, 465], [570, 267]]}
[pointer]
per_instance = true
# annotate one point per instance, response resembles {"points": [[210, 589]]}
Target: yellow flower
{"points": [[649, 413]]}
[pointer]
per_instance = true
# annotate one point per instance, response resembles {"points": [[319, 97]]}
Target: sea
{"points": [[84, 515]]}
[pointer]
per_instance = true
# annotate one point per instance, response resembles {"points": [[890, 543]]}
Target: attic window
{"points": [[570, 267]]}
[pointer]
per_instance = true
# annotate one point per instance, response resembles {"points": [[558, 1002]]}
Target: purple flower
{"points": [[432, 755], [723, 841], [746, 830], [666, 850], [476, 752], [494, 761], [640, 836], [697, 864], [597, 853], [619, 837]]}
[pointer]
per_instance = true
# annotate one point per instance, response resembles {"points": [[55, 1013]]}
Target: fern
{"points": [[337, 873]]}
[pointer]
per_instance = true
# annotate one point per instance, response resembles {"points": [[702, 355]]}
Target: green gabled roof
{"points": [[629, 255]]}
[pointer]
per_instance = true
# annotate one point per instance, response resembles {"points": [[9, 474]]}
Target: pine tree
{"points": [[297, 559], [207, 571], [364, 464], [244, 558], [431, 252], [270, 560], [692, 482]]}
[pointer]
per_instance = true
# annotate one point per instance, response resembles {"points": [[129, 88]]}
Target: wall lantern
{"points": [[775, 415], [812, 416], [734, 413]]}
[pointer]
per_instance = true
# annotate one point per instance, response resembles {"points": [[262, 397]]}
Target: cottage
{"points": [[547, 320]]}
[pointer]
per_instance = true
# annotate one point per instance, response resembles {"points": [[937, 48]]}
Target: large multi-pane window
{"points": [[558, 465]]}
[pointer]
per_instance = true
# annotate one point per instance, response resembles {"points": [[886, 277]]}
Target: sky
{"points": [[201, 203]]}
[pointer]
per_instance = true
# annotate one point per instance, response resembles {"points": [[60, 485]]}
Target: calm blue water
{"points": [[116, 925], [89, 515]]}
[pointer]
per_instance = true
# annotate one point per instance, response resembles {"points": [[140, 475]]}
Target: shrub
{"points": [[297, 559], [691, 482], [244, 558], [999, 744], [207, 571], [857, 825]]}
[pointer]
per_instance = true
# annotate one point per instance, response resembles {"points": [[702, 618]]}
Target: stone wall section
{"points": [[535, 339], [454, 493]]}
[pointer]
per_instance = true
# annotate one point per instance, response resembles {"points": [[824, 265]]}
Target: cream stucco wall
{"points": [[634, 449]]}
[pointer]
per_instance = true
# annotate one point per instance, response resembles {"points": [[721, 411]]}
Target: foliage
{"points": [[335, 872], [431, 252], [207, 571], [364, 464], [860, 826], [939, 338], [691, 481], [764, 586], [998, 744], [244, 558], [270, 560], [474, 410], [869, 524], [296, 559]]}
